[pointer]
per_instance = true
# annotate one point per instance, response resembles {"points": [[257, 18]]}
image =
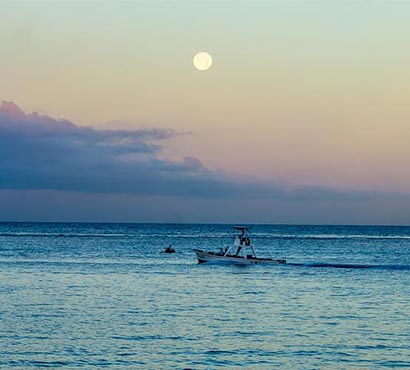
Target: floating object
{"points": [[169, 249], [240, 253]]}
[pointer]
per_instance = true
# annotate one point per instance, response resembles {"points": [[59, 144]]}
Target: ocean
{"points": [[79, 295]]}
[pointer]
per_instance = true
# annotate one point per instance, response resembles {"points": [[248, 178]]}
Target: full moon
{"points": [[202, 61]]}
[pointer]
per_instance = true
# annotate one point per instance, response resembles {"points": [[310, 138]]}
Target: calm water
{"points": [[102, 295]]}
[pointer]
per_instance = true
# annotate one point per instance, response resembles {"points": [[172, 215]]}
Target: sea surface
{"points": [[103, 296]]}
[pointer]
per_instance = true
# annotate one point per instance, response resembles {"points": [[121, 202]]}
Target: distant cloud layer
{"points": [[40, 152]]}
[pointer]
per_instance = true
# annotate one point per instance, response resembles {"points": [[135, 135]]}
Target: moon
{"points": [[202, 61]]}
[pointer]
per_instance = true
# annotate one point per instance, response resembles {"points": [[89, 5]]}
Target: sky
{"points": [[302, 118]]}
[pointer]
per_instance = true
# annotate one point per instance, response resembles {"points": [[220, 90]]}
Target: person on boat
{"points": [[239, 250], [221, 252], [242, 237]]}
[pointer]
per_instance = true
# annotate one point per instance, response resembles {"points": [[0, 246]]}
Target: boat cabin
{"points": [[242, 246]]}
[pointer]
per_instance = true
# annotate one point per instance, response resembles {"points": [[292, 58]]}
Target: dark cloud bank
{"points": [[42, 158]]}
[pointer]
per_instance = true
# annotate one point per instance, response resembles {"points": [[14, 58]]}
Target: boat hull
{"points": [[235, 260]]}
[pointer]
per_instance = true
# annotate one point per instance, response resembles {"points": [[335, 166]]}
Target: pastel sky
{"points": [[303, 118]]}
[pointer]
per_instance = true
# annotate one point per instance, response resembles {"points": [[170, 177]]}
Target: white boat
{"points": [[240, 253]]}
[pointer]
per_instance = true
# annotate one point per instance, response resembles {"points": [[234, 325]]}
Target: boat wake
{"points": [[351, 266], [332, 236]]}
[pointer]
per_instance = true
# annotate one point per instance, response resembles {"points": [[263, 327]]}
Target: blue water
{"points": [[102, 295]]}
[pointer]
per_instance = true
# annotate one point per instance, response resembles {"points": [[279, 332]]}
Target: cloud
{"points": [[40, 152]]}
